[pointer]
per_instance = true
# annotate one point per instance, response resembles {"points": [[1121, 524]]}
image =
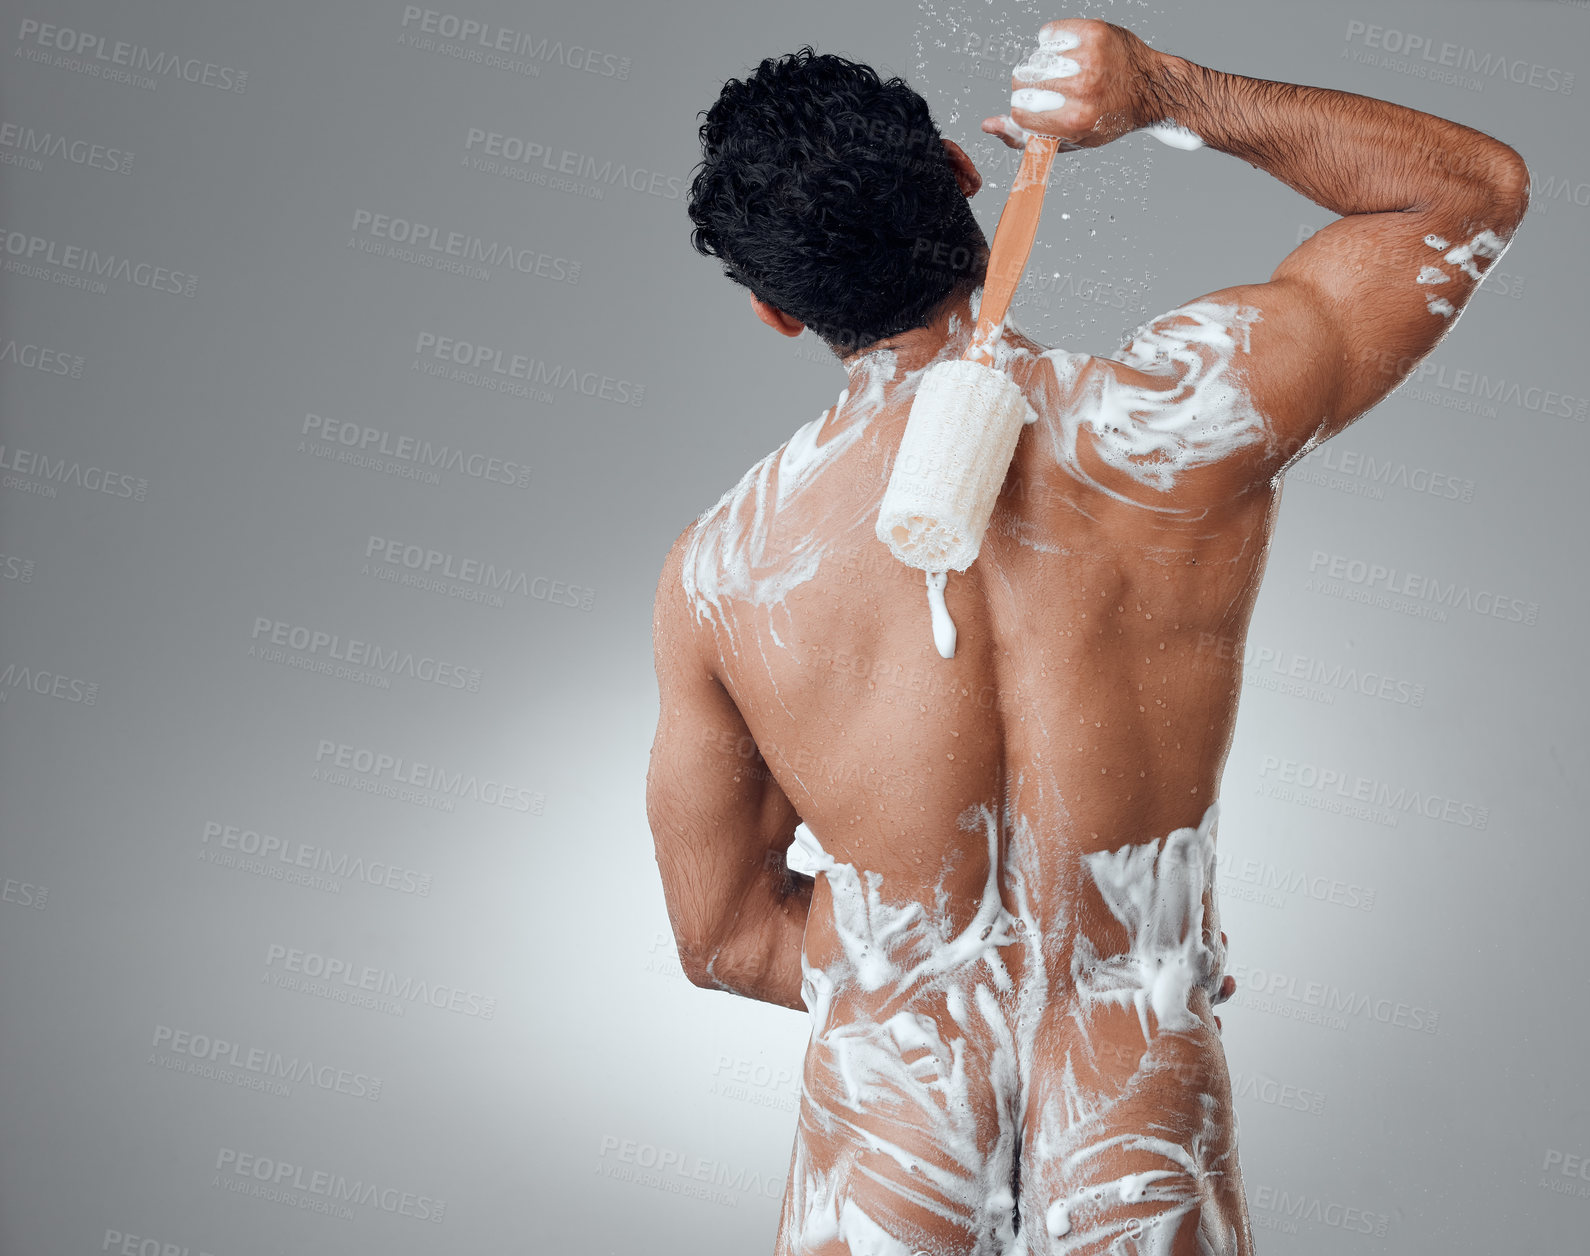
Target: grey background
{"points": [[1408, 1044]]}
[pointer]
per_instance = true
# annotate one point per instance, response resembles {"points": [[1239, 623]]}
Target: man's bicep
{"points": [[1388, 287], [1343, 320]]}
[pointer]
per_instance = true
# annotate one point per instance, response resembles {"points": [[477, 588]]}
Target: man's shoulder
{"points": [[675, 623], [1185, 414], [740, 498], [670, 579]]}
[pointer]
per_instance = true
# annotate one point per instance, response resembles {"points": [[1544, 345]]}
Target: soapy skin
{"points": [[1001, 918], [1484, 245], [984, 965], [942, 1057]]}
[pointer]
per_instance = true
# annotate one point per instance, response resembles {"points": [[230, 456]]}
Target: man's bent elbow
{"points": [[703, 965], [1510, 187], [694, 963]]}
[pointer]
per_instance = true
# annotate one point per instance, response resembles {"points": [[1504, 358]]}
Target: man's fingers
{"points": [[1039, 112], [1006, 128], [1047, 62], [1062, 33], [1038, 86], [1039, 127], [1043, 66], [1035, 103]]}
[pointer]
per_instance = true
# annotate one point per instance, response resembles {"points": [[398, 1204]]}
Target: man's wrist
{"points": [[1173, 89]]}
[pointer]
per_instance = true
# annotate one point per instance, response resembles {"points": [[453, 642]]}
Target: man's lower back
{"points": [[981, 1080]]}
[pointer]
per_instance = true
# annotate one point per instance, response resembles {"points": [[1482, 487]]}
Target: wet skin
{"points": [[1084, 709], [1010, 947]]}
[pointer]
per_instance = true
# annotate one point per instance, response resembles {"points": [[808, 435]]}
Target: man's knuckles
{"points": [[1064, 29]]}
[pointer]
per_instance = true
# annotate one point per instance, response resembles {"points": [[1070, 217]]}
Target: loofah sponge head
{"points": [[953, 459]]}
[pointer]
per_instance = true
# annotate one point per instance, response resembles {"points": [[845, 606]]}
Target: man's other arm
{"points": [[720, 822], [1427, 206]]}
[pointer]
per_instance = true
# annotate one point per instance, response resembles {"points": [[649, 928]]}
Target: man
{"points": [[1009, 946]]}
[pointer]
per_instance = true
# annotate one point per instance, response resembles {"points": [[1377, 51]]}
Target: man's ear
{"points": [[966, 176], [776, 318]]}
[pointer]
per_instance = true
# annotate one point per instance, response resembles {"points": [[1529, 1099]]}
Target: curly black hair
{"points": [[828, 193]]}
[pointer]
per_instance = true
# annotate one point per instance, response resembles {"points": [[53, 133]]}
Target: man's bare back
{"points": [[1083, 711], [1010, 945]]}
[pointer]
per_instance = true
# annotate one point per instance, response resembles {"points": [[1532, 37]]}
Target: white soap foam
{"points": [[898, 1062], [1084, 1133], [1012, 129], [1158, 895], [1057, 1220], [1046, 63], [1036, 100], [1155, 435], [1152, 1235], [943, 625], [896, 946], [1175, 135], [729, 553], [1059, 41], [1486, 244]]}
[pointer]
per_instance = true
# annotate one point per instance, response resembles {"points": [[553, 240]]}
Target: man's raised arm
{"points": [[1427, 205]]}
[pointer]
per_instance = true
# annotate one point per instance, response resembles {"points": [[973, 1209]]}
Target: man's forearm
{"points": [[1352, 154], [761, 958]]}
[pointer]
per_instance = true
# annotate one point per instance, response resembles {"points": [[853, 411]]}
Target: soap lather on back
{"points": [[1091, 582], [1002, 835]]}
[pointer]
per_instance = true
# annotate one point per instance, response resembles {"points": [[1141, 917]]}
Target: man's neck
{"points": [[947, 337]]}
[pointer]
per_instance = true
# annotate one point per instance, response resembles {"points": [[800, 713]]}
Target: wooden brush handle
{"points": [[1013, 237]]}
